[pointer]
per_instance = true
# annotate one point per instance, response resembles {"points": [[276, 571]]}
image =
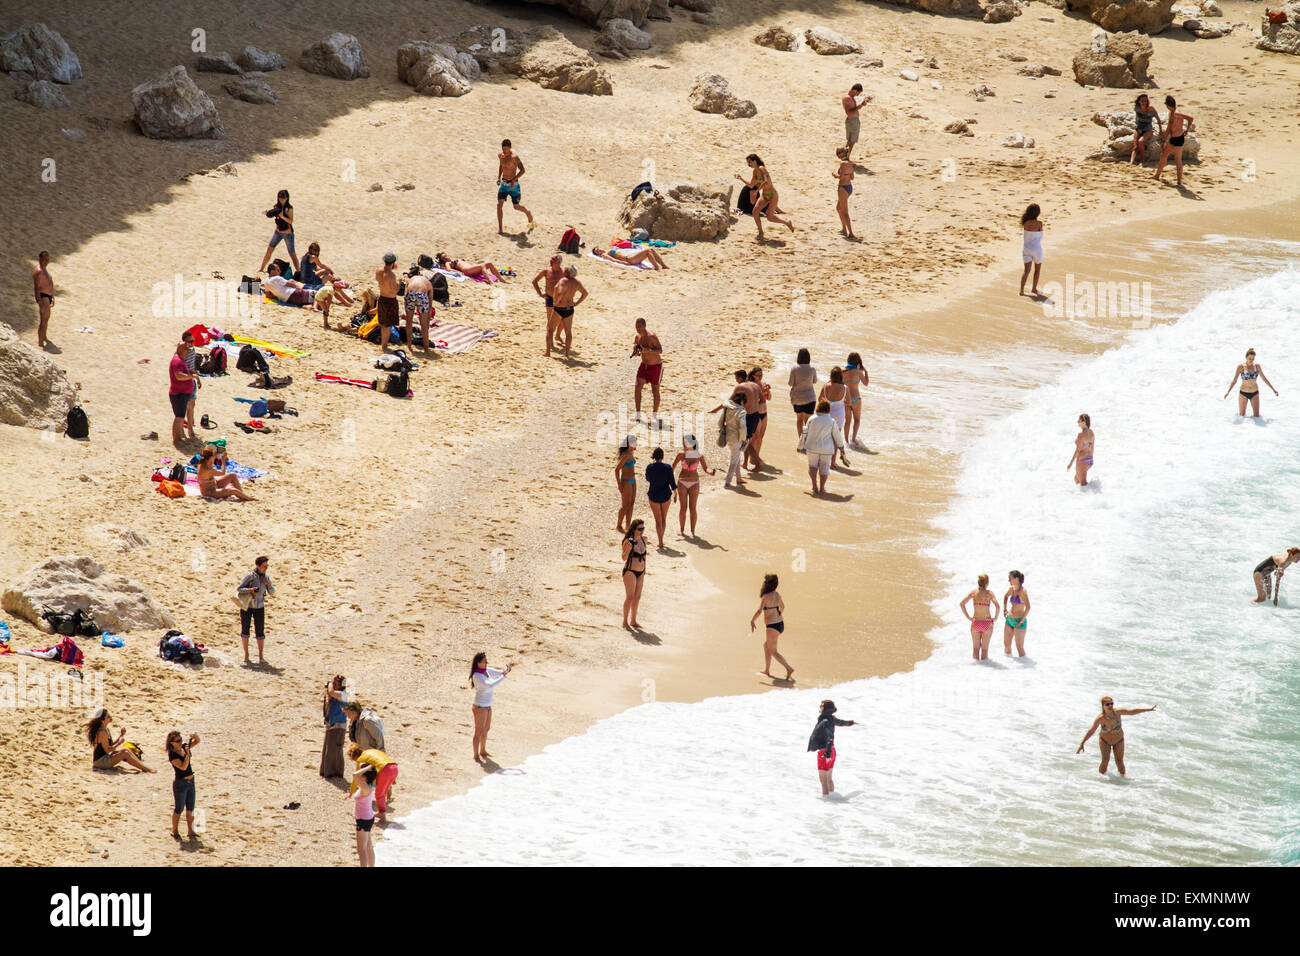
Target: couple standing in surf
{"points": [[1015, 609]]}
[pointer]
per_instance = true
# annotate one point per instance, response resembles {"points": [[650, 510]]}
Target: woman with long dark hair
{"points": [[1015, 608], [109, 752], [772, 608], [634, 552], [483, 680], [766, 200], [178, 755], [1032, 250], [625, 480], [282, 213]]}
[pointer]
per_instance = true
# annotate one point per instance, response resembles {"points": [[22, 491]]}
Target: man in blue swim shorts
{"points": [[509, 169]]}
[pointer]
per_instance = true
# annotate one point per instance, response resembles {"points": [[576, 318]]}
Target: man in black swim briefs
{"points": [[44, 289]]}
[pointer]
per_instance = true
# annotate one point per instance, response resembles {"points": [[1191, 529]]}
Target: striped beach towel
{"points": [[452, 339]]}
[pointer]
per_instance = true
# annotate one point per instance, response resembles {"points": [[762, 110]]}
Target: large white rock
{"points": [[622, 35], [40, 52], [1282, 37], [426, 67], [338, 55], [683, 212], [827, 42], [33, 390], [712, 94], [68, 583], [171, 106]]}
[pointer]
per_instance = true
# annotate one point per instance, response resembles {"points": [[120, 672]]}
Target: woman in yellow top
{"points": [[384, 765]]}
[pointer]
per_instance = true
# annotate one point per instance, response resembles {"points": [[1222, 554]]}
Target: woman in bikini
{"points": [[1248, 372], [855, 376], [756, 440], [472, 269], [1144, 115], [766, 202], [1016, 605], [632, 257], [772, 608], [213, 480], [835, 393], [634, 552], [1083, 445], [1112, 733], [625, 480], [843, 190], [688, 479], [981, 625]]}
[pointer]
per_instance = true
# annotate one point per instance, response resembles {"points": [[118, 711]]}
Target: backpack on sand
{"points": [[570, 242], [441, 294], [247, 362], [396, 384], [78, 423]]}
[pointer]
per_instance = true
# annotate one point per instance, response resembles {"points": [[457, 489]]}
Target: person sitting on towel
{"points": [[630, 256], [286, 290]]}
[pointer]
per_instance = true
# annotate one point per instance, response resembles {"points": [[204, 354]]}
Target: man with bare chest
{"points": [[43, 287], [552, 274], [509, 168], [569, 294], [651, 369]]}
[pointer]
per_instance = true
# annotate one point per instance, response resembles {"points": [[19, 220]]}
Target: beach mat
{"points": [[452, 339]]}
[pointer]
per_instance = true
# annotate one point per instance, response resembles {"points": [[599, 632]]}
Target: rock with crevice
{"points": [[43, 94], [426, 67], [826, 42], [172, 106], [596, 12], [217, 63], [1118, 61], [338, 55], [34, 392], [981, 92], [1038, 70], [1122, 16], [40, 54], [68, 583], [622, 36], [543, 55], [990, 11], [712, 94], [777, 37], [683, 212], [1018, 141]]}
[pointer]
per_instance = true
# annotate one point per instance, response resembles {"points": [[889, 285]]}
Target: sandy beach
{"points": [[479, 515]]}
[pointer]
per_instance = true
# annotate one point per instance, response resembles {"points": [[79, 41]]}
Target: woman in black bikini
{"points": [[772, 608], [1248, 372], [1112, 733], [634, 552]]}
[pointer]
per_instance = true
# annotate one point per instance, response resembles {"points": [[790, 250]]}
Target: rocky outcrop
{"points": [[596, 12], [1206, 31], [338, 55], [253, 60], [1018, 141], [40, 53], [543, 55], [44, 94], [621, 36], [712, 94], [70, 583], [250, 89], [777, 37], [1119, 63], [827, 42], [427, 67], [1038, 70], [990, 11], [683, 212], [33, 390], [1118, 146], [217, 63], [1121, 16], [1003, 12], [173, 107], [1282, 37]]}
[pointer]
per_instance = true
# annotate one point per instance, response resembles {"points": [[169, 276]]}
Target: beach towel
{"points": [[269, 347], [461, 277], [657, 243], [625, 265], [4, 633], [452, 339]]}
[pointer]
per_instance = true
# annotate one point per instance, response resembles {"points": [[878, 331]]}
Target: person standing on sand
{"points": [[552, 274], [823, 741], [1032, 249], [192, 366], [981, 624], [362, 794], [1176, 130], [852, 121], [625, 479], [836, 394], [1083, 447], [634, 553], [388, 311], [1248, 372], [1015, 605], [772, 608], [843, 177], [178, 755], [688, 480], [365, 728], [758, 400], [1268, 574], [181, 392], [646, 344], [855, 375], [43, 288], [336, 726], [821, 439], [109, 752], [509, 168], [419, 302], [483, 681], [252, 592], [753, 393], [1143, 116], [803, 391], [661, 488], [566, 289], [282, 213], [1112, 733]]}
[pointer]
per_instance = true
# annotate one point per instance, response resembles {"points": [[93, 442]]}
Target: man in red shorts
{"points": [[823, 741], [652, 365]]}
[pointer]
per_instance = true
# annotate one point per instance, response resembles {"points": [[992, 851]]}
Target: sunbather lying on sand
{"points": [[471, 269], [632, 257]]}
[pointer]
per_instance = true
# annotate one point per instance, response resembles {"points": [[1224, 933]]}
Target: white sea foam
{"points": [[1140, 587]]}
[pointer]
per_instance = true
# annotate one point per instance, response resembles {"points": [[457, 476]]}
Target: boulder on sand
{"points": [[1119, 139], [990, 11], [171, 106], [250, 89], [71, 583], [1119, 63], [425, 67], [541, 54], [827, 42], [712, 94], [253, 60], [684, 212], [1119, 16], [33, 390], [338, 55], [777, 37], [44, 94], [39, 52], [620, 36], [217, 63], [1281, 37]]}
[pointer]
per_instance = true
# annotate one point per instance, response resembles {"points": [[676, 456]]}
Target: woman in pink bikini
{"points": [[981, 625]]}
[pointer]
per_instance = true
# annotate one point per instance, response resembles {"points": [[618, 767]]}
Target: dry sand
{"points": [[405, 536]]}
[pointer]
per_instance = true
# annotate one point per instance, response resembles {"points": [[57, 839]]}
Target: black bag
{"points": [[745, 203], [85, 625], [78, 423], [396, 384], [248, 359], [60, 622], [441, 294], [641, 188], [570, 242], [178, 473]]}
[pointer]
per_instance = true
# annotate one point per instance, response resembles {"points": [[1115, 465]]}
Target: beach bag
{"points": [[441, 294], [396, 384], [259, 408], [250, 285], [201, 335], [369, 329], [78, 423], [570, 242], [70, 653], [722, 429], [172, 489], [60, 622], [178, 473], [745, 202], [214, 363], [246, 361], [85, 624], [109, 639]]}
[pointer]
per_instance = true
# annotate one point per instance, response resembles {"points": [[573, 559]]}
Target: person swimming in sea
{"points": [[1083, 445], [1248, 372], [981, 623], [1015, 605], [1111, 737]]}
